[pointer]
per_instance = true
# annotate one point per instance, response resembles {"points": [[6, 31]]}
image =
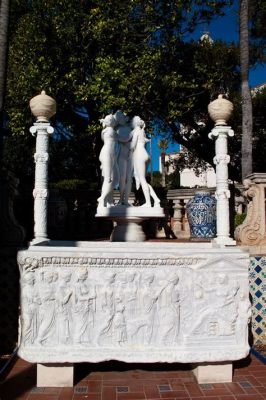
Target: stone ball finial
{"points": [[220, 110], [43, 107]]}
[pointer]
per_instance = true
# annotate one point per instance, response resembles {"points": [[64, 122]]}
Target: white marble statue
{"points": [[108, 161], [124, 154], [140, 161], [124, 159]]}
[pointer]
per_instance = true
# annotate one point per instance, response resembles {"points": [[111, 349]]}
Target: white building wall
{"points": [[207, 178], [188, 177]]}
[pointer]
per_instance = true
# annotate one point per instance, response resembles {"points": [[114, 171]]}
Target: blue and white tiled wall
{"points": [[257, 279]]}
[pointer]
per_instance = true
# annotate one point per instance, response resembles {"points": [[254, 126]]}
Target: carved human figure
{"points": [[125, 162], [30, 303], [118, 323], [131, 295], [226, 304], [221, 319], [244, 315], [140, 161], [145, 324], [108, 161], [64, 307], [47, 309], [107, 306], [84, 308], [169, 311]]}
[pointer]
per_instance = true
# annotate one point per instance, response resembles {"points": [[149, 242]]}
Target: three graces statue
{"points": [[123, 155]]}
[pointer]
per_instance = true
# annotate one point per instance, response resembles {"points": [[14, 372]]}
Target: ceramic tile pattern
{"points": [[257, 276], [119, 381]]}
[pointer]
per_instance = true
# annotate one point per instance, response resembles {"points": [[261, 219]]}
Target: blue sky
{"points": [[226, 29]]}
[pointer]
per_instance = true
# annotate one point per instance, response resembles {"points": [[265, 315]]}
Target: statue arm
{"points": [[134, 141]]}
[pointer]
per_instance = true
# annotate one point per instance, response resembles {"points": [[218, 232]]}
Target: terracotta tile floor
{"points": [[118, 381]]}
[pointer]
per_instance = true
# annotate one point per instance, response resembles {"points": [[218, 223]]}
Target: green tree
{"points": [[4, 18], [131, 56]]}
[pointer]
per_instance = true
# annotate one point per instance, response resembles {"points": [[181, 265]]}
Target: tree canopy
{"points": [[94, 59]]}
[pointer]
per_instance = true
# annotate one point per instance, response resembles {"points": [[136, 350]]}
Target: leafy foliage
{"points": [[132, 55]]}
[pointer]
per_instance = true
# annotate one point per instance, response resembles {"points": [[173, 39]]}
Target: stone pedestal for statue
{"points": [[133, 302], [55, 375], [128, 220], [213, 373]]}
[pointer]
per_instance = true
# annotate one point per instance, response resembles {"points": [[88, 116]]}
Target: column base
{"points": [[55, 375], [128, 230], [213, 372], [40, 240], [224, 241]]}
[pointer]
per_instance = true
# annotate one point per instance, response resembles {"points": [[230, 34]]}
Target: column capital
{"points": [[223, 130], [41, 126]]}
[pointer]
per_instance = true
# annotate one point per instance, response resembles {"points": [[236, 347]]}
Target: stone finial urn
{"points": [[220, 110], [43, 107]]}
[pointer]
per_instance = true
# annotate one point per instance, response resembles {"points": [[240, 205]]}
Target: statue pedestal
{"points": [[133, 302], [128, 221], [55, 375], [213, 372]]}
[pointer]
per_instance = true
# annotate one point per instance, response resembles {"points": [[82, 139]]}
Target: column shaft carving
{"points": [[222, 194], [41, 131]]}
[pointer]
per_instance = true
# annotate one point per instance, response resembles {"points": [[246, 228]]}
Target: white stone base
{"points": [[128, 221], [213, 373], [128, 230], [134, 302], [55, 375], [224, 241], [130, 211]]}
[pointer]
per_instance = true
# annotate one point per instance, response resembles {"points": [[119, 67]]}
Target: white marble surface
{"points": [[130, 211], [123, 156], [222, 193], [134, 302]]}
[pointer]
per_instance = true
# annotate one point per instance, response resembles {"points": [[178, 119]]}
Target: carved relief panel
{"points": [[128, 308]]}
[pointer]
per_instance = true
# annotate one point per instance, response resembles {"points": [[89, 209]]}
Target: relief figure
{"points": [[47, 327], [64, 308], [30, 303], [107, 306], [221, 318], [144, 327], [169, 311], [84, 309]]}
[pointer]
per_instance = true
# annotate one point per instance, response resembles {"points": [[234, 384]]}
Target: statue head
{"points": [[29, 278], [137, 122], [121, 118], [66, 276], [109, 120], [82, 274]]}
